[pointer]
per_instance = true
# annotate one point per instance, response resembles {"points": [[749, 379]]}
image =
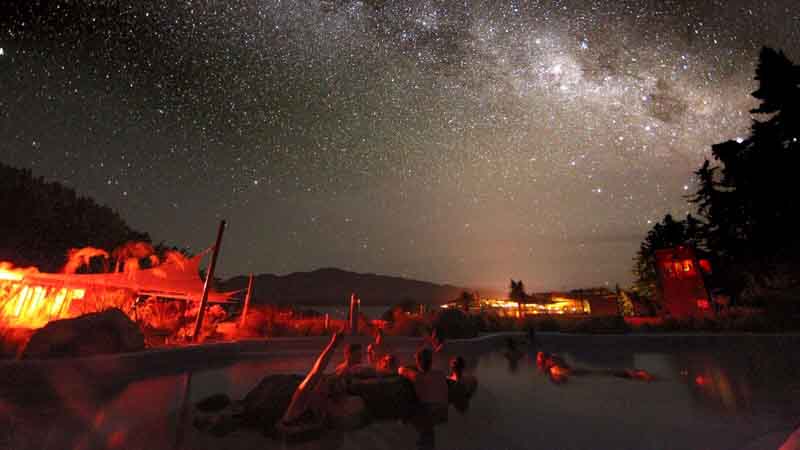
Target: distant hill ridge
{"points": [[332, 286]]}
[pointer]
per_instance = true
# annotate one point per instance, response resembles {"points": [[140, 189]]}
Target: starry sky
{"points": [[465, 142]]}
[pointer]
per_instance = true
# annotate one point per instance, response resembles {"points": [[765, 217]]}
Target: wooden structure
{"points": [[682, 289]]}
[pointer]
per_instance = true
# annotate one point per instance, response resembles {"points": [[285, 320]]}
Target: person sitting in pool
{"points": [[317, 393], [635, 374], [457, 365], [352, 364], [434, 340], [546, 361], [387, 366], [559, 370], [554, 366], [432, 393], [377, 349], [308, 406], [461, 387]]}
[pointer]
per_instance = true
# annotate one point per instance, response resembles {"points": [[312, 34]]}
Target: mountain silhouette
{"points": [[331, 286]]}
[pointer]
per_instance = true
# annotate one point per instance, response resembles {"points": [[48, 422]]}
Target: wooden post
{"points": [[243, 320], [209, 279], [353, 315]]}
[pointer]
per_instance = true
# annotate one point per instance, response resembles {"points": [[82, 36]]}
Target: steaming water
{"points": [[703, 399]]}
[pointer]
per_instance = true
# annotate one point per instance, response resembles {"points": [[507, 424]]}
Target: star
{"points": [[434, 128]]}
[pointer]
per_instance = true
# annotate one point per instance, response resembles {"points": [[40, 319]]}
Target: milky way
{"points": [[463, 142]]}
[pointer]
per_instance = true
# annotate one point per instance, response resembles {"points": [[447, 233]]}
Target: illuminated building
{"points": [[597, 301], [682, 290]]}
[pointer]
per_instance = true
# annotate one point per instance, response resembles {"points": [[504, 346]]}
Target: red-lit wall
{"points": [[682, 290]]}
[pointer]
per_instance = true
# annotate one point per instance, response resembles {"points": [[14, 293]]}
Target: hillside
{"points": [[42, 220], [333, 287]]}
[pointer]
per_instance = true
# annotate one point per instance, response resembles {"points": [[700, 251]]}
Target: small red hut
{"points": [[682, 290]]}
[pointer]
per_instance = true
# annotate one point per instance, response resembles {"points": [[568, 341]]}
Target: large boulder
{"points": [[365, 399], [455, 324], [390, 397], [216, 402], [109, 331]]}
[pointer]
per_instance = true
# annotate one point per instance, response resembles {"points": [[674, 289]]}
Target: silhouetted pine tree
{"points": [[749, 201], [517, 294], [464, 300]]}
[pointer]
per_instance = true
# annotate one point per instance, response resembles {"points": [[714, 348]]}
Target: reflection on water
{"points": [[701, 399]]}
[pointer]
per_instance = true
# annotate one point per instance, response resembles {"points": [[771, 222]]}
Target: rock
{"points": [[300, 432], [265, 404], [218, 425], [216, 402], [223, 425], [106, 332], [390, 397], [203, 422], [347, 412]]}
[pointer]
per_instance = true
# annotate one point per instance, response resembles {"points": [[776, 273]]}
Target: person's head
{"points": [[424, 359], [457, 365], [510, 344], [541, 357], [352, 354], [388, 363]]}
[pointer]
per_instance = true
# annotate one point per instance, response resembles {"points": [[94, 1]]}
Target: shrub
{"points": [[97, 300], [671, 324], [455, 324], [406, 326], [596, 325], [160, 315], [707, 324], [488, 322], [549, 323], [752, 323]]}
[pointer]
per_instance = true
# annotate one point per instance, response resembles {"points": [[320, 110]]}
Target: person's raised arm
{"points": [[301, 396], [322, 360], [433, 340]]}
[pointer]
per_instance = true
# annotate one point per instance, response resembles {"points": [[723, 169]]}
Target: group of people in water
{"points": [[559, 371], [318, 393]]}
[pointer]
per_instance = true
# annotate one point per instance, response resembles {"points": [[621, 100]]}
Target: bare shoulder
{"points": [[408, 372]]}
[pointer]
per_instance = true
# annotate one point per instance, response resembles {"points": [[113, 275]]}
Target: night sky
{"points": [[462, 142]]}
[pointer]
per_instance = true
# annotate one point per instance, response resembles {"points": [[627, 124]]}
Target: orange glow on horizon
{"points": [[557, 305]]}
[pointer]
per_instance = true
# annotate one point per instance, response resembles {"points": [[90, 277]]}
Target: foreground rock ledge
{"points": [[365, 400]]}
